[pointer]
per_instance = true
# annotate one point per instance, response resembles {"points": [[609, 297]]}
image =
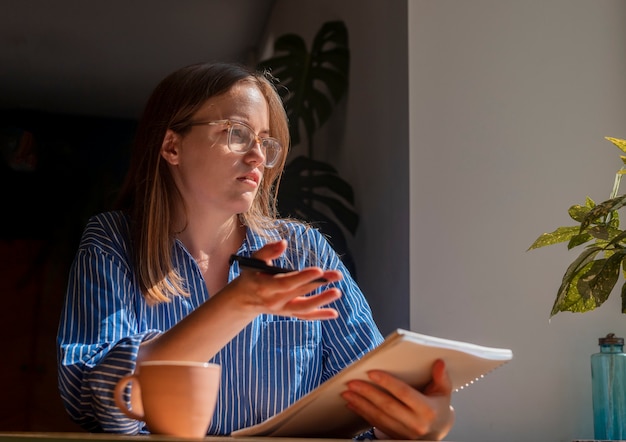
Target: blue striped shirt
{"points": [[269, 365]]}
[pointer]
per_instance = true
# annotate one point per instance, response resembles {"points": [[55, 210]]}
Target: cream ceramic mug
{"points": [[178, 397]]}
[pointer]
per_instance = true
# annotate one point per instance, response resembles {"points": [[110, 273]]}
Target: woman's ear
{"points": [[170, 149]]}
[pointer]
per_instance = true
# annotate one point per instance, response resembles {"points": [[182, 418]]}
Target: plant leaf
{"points": [[578, 240], [569, 298], [568, 294], [603, 232], [588, 282], [618, 238], [614, 221], [296, 196], [602, 210], [295, 207], [618, 142], [348, 217], [331, 183], [583, 259], [314, 80], [302, 164], [312, 84], [561, 234], [578, 213], [599, 280]]}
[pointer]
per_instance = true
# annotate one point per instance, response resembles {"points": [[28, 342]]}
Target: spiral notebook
{"points": [[405, 354]]}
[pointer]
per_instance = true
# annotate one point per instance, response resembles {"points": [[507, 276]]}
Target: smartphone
{"points": [[260, 266]]}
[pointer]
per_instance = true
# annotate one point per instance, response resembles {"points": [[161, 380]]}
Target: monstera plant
{"points": [[591, 277], [312, 84]]}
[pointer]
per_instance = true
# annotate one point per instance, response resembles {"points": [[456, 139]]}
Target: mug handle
{"points": [[119, 396]]}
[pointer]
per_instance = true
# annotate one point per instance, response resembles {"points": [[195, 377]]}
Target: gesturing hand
{"points": [[285, 294]]}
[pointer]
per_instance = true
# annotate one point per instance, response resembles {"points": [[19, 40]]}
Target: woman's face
{"points": [[209, 176]]}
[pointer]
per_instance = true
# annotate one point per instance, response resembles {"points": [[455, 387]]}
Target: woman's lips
{"points": [[250, 178]]}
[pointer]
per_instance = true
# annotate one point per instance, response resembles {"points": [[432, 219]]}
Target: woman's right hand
{"points": [[204, 331], [285, 294]]}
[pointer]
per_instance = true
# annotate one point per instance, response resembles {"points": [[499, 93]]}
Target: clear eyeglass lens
{"points": [[271, 149], [242, 139]]}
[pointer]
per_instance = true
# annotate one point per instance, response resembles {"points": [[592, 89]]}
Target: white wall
{"points": [[367, 139], [509, 104]]}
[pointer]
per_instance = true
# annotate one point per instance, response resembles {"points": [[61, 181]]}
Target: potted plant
{"points": [[312, 84], [591, 277]]}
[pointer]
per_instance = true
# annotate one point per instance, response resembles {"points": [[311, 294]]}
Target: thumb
{"points": [[441, 384]]}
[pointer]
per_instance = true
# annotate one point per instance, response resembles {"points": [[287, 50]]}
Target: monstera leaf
{"points": [[312, 81], [306, 181], [311, 84]]}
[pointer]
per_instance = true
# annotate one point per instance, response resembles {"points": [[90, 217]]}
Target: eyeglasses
{"points": [[242, 138]]}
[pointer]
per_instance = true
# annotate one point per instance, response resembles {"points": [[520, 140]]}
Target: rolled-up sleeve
{"points": [[99, 335]]}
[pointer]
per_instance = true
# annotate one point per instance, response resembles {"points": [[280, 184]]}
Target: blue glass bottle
{"points": [[608, 386]]}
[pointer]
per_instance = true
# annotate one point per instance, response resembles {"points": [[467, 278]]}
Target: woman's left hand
{"points": [[399, 411]]}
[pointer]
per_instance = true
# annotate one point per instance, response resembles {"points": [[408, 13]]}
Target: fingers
{"points": [[300, 304], [309, 278], [292, 299], [397, 415], [311, 307], [287, 294], [401, 411]]}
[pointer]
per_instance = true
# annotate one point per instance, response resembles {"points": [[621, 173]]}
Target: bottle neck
{"points": [[611, 348]]}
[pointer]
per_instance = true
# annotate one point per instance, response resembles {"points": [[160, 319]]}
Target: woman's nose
{"points": [[256, 152]]}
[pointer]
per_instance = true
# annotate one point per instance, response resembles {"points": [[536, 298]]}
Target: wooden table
{"points": [[108, 437]]}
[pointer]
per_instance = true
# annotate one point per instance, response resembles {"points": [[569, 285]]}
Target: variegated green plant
{"points": [[590, 279]]}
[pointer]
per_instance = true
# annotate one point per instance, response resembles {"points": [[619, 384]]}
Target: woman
{"points": [[153, 280]]}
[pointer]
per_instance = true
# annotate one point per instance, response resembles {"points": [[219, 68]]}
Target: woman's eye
{"points": [[238, 135]]}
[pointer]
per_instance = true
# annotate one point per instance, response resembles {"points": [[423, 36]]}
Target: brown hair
{"points": [[149, 192]]}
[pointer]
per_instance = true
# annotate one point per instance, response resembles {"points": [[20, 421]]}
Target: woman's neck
{"points": [[204, 237], [211, 246]]}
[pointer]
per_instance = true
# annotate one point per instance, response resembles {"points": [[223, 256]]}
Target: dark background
{"points": [[57, 170], [74, 78]]}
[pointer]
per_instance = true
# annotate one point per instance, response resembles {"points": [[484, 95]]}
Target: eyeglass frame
{"points": [[258, 139]]}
